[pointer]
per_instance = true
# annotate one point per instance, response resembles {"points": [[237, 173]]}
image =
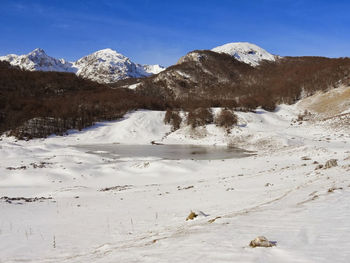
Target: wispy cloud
{"points": [[61, 25], [28, 6], [19, 6]]}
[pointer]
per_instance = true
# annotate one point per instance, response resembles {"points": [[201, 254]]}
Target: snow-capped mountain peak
{"points": [[245, 52], [37, 52], [38, 60], [108, 54], [104, 66], [107, 66]]}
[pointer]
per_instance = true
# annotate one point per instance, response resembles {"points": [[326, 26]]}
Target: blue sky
{"points": [[160, 32]]}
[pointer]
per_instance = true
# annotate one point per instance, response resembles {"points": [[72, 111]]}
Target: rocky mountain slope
{"points": [[103, 66]]}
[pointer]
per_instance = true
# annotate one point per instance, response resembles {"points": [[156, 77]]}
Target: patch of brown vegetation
{"points": [[191, 216], [116, 188], [18, 200], [173, 118], [185, 188], [332, 189], [199, 117], [328, 104], [226, 118], [331, 163], [261, 241], [214, 219]]}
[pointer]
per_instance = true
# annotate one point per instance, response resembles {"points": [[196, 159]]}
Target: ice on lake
{"points": [[168, 152]]}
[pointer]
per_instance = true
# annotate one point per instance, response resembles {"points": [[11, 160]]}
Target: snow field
{"points": [[276, 193]]}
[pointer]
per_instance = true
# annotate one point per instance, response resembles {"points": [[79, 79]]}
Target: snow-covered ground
{"points": [[277, 192]]}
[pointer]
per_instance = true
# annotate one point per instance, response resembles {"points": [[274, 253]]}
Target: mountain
{"points": [[103, 66], [245, 52], [108, 66], [199, 75], [208, 78], [38, 60]]}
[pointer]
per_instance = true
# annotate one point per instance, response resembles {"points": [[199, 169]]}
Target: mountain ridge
{"points": [[38, 60], [103, 66], [108, 66]]}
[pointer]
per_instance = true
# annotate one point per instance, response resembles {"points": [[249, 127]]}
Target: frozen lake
{"points": [[169, 152]]}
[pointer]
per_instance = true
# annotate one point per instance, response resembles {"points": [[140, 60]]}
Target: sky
{"points": [[161, 31]]}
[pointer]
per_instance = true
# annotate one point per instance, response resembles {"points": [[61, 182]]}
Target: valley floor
{"points": [[99, 209]]}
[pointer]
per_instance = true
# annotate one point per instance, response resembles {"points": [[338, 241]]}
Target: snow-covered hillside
{"points": [[245, 52], [104, 66], [63, 203]]}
